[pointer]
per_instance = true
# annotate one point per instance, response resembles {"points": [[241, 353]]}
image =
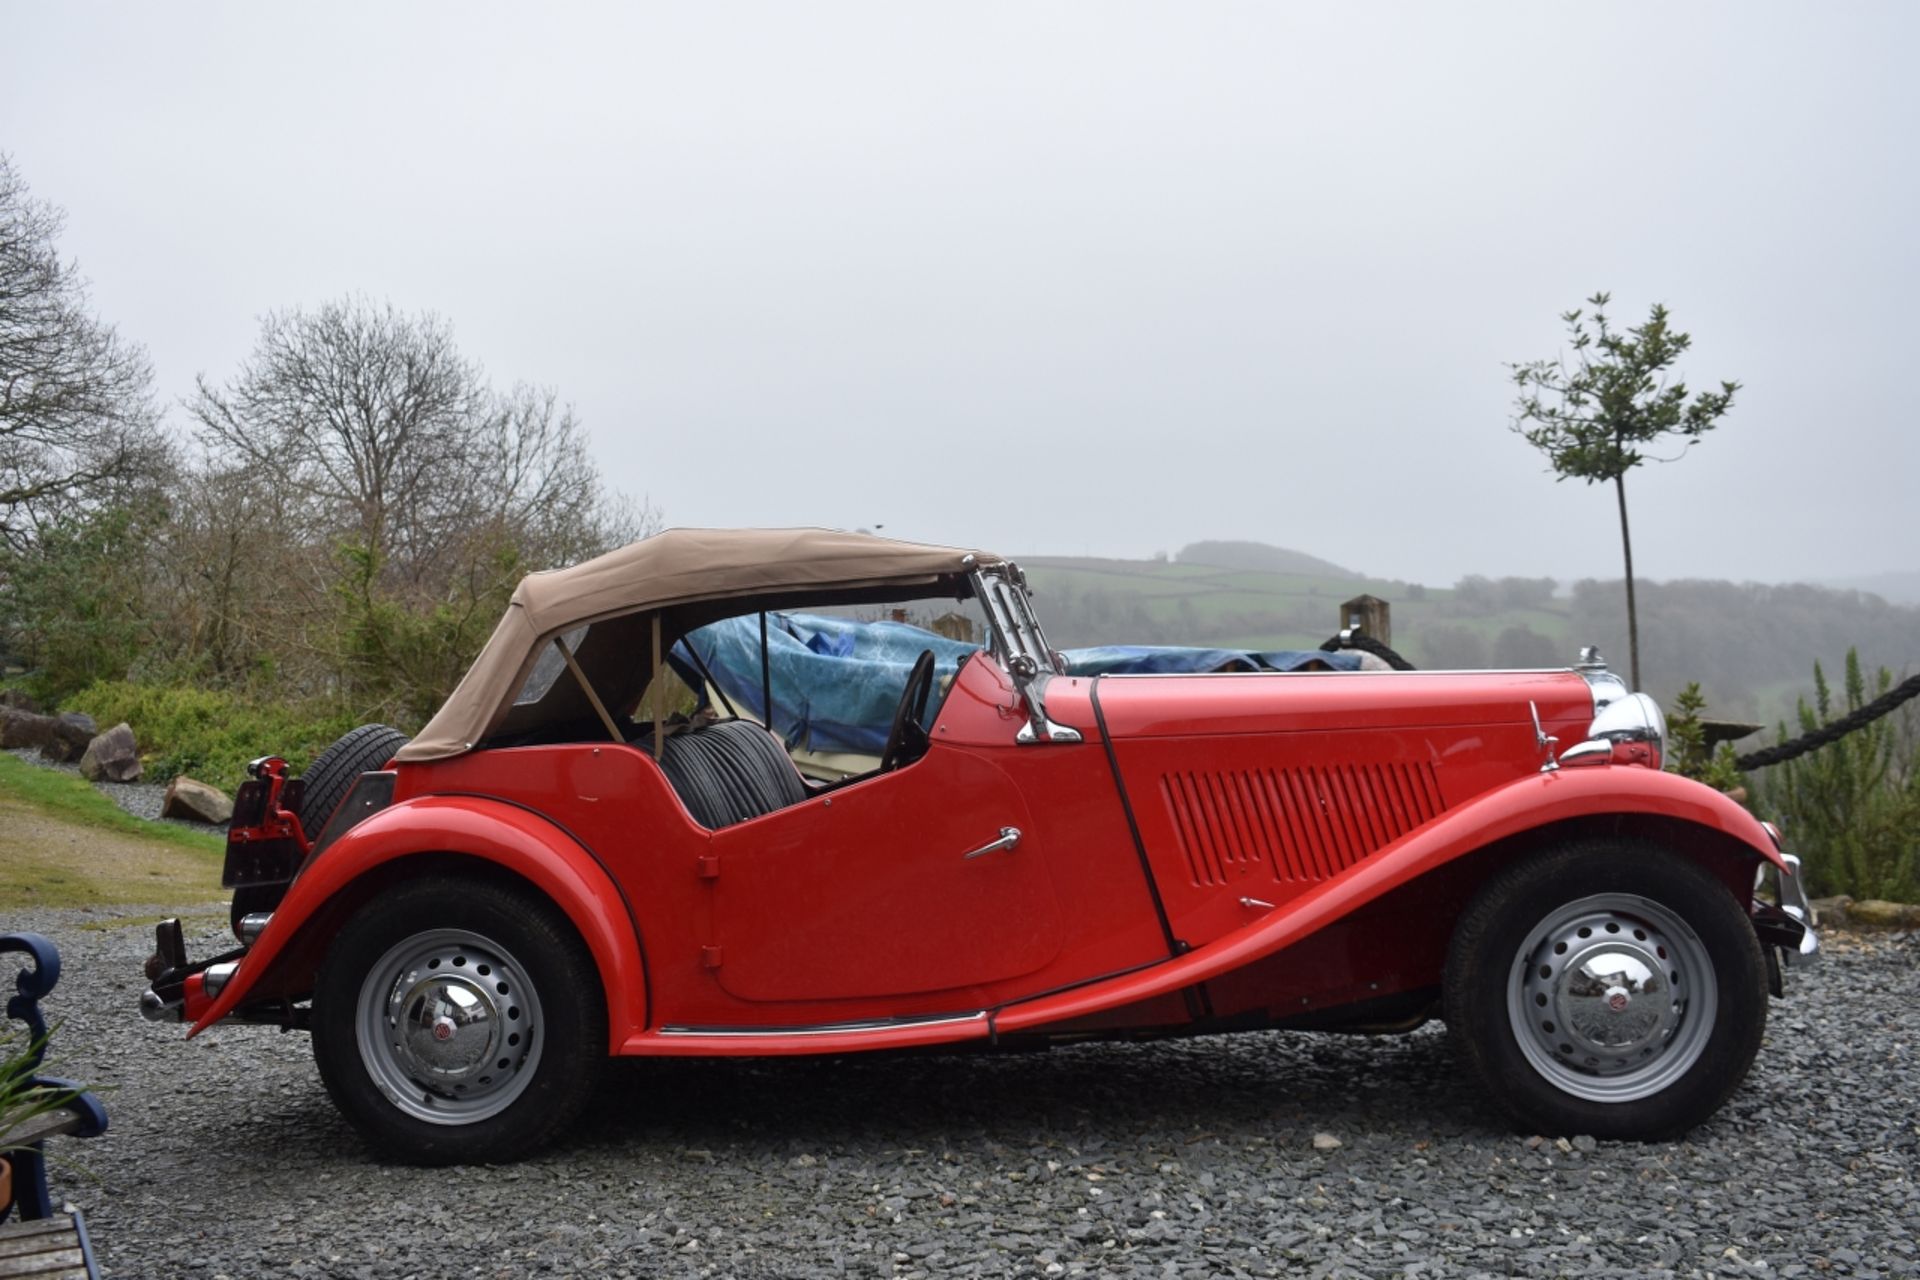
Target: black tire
{"points": [[730, 772], [326, 783], [1564, 934], [334, 770], [423, 1096]]}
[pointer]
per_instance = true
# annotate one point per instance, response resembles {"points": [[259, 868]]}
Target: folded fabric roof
{"points": [[680, 566]]}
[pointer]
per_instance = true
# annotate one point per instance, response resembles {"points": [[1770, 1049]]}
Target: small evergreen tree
{"points": [[1688, 754]]}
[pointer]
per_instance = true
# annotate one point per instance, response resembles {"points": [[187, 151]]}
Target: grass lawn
{"points": [[63, 844]]}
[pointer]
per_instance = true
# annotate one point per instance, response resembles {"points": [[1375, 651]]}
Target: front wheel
{"points": [[1610, 988], [459, 1021]]}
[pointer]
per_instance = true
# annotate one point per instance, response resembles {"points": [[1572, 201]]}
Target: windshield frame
{"points": [[1020, 647]]}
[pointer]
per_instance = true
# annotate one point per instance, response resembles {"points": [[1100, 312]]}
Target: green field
{"points": [[1085, 601]]}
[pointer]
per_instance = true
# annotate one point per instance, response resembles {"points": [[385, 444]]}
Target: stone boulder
{"points": [[112, 757], [63, 738], [1877, 913], [73, 731], [13, 727], [25, 729], [14, 700], [195, 801]]}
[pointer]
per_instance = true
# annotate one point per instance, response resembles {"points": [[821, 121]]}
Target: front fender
{"points": [[513, 838], [1537, 800]]}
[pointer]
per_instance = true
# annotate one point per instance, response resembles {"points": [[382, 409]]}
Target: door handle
{"points": [[1009, 840]]}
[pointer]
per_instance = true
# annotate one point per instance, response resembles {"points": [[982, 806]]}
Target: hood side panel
{"points": [[1252, 790]]}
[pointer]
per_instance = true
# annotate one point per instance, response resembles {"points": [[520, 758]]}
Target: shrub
{"points": [[70, 601], [212, 733], [1688, 755], [1851, 809]]}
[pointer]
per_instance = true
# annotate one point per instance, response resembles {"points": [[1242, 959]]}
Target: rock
{"points": [[1878, 913], [12, 721], [112, 757], [63, 738], [1831, 911], [1325, 1142], [18, 701], [72, 731], [196, 801], [25, 729]]}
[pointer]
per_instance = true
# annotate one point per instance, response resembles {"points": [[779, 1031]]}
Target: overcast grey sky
{"points": [[1088, 278]]}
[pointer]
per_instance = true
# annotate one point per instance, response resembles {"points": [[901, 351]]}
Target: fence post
{"points": [[1371, 614]]}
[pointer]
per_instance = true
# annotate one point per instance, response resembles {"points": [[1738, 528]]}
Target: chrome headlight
{"points": [[1633, 718]]}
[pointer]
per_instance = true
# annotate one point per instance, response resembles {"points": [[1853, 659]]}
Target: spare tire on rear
{"points": [[333, 771], [327, 781]]}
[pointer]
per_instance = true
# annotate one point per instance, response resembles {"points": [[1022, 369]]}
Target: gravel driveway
{"points": [[1197, 1158]]}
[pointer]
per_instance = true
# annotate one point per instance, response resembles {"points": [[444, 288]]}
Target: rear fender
{"points": [[512, 839], [1528, 804]]}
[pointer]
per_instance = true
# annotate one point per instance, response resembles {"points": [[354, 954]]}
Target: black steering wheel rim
{"points": [[908, 715]]}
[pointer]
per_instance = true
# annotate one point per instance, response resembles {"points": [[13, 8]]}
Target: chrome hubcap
{"points": [[1612, 998], [449, 1026]]}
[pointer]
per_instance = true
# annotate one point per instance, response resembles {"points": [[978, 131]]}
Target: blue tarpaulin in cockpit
{"points": [[837, 681]]}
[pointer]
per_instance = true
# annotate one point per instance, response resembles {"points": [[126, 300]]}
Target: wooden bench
{"points": [[54, 1248], [34, 1239]]}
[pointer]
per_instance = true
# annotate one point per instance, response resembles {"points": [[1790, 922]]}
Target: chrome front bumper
{"points": [[1786, 922]]}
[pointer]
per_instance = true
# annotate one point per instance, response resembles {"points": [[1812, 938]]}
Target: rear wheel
{"points": [[457, 1022], [1610, 987]]}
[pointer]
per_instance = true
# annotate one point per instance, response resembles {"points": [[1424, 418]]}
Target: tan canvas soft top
{"points": [[676, 567]]}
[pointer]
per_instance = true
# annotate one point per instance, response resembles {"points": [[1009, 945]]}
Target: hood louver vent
{"points": [[1296, 824]]}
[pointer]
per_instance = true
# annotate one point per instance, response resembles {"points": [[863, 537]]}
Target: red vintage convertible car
{"points": [[555, 871]]}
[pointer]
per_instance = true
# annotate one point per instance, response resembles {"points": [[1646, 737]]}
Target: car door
{"points": [[899, 885]]}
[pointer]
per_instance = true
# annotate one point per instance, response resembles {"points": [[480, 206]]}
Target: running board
{"points": [[832, 1037]]}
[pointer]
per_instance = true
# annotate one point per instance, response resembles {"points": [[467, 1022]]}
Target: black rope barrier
{"points": [[1824, 735], [1367, 644], [1827, 734]]}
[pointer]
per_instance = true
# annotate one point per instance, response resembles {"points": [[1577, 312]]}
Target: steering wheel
{"points": [[907, 739]]}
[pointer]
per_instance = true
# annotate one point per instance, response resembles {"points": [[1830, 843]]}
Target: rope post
{"points": [[1372, 615]]}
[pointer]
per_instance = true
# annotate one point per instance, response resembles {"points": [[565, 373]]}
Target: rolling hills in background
{"points": [[1894, 588], [1751, 646]]}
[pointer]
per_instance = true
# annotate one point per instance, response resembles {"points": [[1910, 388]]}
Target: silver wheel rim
{"points": [[449, 1027], [1612, 998]]}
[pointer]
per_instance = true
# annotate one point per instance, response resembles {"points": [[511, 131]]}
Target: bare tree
{"points": [[410, 496], [366, 412], [401, 446], [231, 594], [77, 415]]}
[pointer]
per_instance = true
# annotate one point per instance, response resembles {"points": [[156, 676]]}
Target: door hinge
{"points": [[708, 866], [710, 957]]}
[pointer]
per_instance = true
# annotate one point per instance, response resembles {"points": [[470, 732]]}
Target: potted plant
{"points": [[24, 1098]]}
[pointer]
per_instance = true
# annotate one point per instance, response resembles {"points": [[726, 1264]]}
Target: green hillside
{"points": [[1089, 601], [1751, 646]]}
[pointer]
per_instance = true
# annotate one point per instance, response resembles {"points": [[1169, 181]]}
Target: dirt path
{"points": [[50, 861]]}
